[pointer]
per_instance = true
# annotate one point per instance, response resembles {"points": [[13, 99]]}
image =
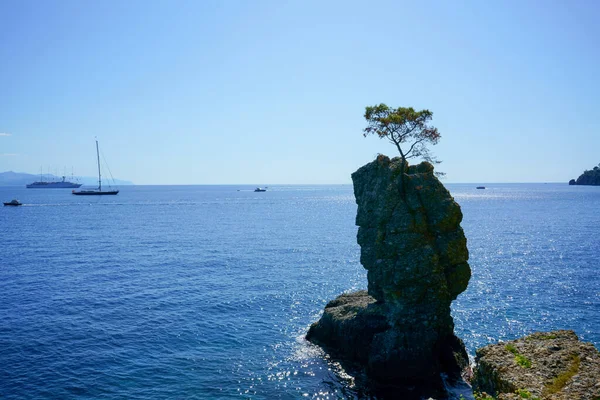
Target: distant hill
{"points": [[11, 178]]}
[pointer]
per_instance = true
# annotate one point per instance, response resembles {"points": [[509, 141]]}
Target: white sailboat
{"points": [[99, 191]]}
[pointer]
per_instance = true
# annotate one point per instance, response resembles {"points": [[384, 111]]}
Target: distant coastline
{"points": [[10, 178]]}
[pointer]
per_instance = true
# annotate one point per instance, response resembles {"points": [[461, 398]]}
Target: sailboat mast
{"points": [[99, 176]]}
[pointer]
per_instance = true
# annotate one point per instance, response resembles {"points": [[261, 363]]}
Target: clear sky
{"points": [[266, 92]]}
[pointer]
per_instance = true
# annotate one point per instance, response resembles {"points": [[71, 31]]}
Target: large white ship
{"points": [[64, 184]]}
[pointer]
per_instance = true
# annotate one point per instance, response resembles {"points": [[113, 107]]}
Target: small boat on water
{"points": [[480, 187], [260, 189], [99, 191], [13, 202]]}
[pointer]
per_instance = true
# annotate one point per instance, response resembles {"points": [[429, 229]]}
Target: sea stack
{"points": [[401, 332]]}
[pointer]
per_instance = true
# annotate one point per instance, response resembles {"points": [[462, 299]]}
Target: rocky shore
{"points": [[546, 365]]}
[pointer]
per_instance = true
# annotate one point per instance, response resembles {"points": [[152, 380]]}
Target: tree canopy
{"points": [[407, 129]]}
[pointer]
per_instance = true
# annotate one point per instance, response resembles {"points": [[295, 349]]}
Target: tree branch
{"points": [[408, 132], [413, 146]]}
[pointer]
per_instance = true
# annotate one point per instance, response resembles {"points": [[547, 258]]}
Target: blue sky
{"points": [[225, 92]]}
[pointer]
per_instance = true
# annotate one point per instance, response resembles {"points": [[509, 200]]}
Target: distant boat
{"points": [[64, 184], [260, 189], [97, 192], [41, 184], [13, 202], [480, 187]]}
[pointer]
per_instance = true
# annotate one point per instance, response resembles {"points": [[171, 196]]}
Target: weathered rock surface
{"points": [[550, 365], [349, 324], [415, 252]]}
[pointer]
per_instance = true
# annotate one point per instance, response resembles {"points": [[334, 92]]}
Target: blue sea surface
{"points": [[206, 292]]}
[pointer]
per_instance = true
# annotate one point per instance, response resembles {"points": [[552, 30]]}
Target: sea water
{"points": [[206, 292]]}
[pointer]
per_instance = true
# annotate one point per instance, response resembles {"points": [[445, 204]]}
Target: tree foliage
{"points": [[407, 129]]}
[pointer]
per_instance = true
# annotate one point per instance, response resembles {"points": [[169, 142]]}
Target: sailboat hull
{"points": [[95, 193]]}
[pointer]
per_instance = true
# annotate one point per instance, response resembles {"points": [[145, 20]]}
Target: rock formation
{"points": [[589, 177], [415, 252], [550, 365]]}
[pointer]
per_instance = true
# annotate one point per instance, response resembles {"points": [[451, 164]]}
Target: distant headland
{"points": [[10, 178], [591, 177]]}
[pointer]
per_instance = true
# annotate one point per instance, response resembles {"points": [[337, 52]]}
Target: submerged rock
{"points": [[401, 331], [550, 365]]}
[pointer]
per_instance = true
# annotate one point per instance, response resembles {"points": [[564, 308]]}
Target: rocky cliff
{"points": [[415, 252], [550, 365]]}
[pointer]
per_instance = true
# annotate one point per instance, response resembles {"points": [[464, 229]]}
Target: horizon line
{"points": [[327, 184]]}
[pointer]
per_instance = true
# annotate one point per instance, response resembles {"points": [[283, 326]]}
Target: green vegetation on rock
{"points": [[523, 361], [511, 347], [526, 394], [561, 380], [519, 358], [544, 365]]}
